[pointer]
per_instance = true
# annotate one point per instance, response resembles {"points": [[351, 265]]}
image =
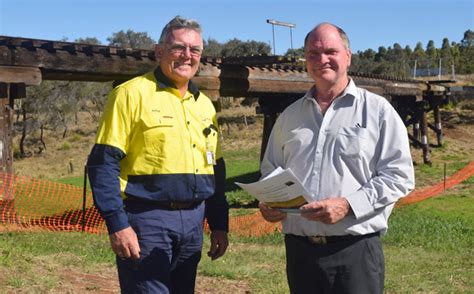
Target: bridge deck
{"points": [[275, 80]]}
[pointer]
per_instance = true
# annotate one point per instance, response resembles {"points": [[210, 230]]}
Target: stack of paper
{"points": [[280, 189]]}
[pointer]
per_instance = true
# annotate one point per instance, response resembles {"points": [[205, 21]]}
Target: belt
{"points": [[166, 205], [322, 240]]}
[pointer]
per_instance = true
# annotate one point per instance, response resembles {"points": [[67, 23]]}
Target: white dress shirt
{"points": [[358, 150]]}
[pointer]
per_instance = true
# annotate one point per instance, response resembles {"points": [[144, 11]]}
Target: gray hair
{"points": [[342, 34], [179, 23]]}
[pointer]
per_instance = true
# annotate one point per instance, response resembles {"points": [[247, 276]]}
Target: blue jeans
{"points": [[170, 243]]}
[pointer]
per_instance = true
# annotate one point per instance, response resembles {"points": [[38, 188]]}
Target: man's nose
{"points": [[187, 52], [323, 58]]}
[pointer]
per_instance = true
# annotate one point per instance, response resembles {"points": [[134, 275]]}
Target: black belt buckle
{"points": [[318, 240], [180, 205]]}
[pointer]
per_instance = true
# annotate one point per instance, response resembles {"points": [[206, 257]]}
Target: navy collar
{"points": [[164, 82]]}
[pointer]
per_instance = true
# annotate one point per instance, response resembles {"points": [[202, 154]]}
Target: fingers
{"points": [[271, 214], [216, 251], [125, 244], [219, 244], [313, 211], [328, 211]]}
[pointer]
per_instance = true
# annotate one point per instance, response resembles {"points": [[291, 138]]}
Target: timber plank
{"points": [[19, 74]]}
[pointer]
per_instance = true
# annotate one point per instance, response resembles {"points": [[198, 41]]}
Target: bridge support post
{"points": [[7, 198], [438, 129], [269, 120], [6, 112], [424, 133]]}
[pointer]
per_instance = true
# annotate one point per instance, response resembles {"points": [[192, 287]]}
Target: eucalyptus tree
{"points": [[131, 39]]}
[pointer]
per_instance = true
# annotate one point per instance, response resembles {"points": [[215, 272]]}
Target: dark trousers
{"points": [[348, 266], [170, 243]]}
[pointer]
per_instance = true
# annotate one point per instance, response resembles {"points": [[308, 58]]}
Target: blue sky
{"points": [[369, 23]]}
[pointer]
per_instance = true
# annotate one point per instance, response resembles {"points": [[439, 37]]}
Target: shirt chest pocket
{"points": [[159, 134], [352, 141]]}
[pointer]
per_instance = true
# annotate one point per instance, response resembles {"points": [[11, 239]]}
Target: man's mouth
{"points": [[178, 65]]}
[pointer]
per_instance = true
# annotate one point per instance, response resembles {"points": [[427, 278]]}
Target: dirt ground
{"points": [[107, 283]]}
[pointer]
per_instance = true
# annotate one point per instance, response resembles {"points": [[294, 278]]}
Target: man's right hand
{"points": [[271, 214], [125, 243]]}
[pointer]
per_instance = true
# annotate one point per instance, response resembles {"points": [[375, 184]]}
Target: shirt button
{"points": [[188, 122], [197, 170], [194, 145]]}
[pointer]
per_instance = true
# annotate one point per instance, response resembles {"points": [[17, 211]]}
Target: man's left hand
{"points": [[328, 211], [219, 243]]}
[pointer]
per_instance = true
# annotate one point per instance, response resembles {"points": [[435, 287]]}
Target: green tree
{"points": [[432, 55], [363, 61], [446, 55], [88, 40], [381, 54], [212, 48], [236, 47], [299, 52], [131, 39], [468, 39], [466, 53]]}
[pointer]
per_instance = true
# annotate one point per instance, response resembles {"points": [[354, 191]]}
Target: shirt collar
{"points": [[164, 82], [350, 90]]}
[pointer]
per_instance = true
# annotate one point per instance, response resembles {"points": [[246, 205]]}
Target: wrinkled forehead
{"points": [[186, 36], [327, 34]]}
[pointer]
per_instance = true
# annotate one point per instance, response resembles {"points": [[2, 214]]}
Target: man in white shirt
{"points": [[350, 150]]}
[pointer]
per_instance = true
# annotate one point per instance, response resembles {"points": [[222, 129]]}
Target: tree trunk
{"points": [[42, 137], [65, 131], [23, 134]]}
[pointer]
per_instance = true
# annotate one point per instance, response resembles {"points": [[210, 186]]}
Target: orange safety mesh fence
{"points": [[33, 204], [427, 192]]}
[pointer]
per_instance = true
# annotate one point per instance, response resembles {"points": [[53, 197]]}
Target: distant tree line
{"points": [[54, 105], [402, 61]]}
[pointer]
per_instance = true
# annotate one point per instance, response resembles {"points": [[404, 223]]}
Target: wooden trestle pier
{"points": [[277, 81]]}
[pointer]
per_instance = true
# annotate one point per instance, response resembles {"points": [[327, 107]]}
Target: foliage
{"points": [[53, 106], [131, 39], [401, 62], [235, 47], [88, 40]]}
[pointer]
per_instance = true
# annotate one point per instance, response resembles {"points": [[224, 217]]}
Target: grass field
{"points": [[428, 248]]}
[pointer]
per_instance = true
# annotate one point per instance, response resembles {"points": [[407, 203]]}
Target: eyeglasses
{"points": [[180, 49]]}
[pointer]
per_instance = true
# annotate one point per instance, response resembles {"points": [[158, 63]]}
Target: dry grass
{"points": [[60, 154], [241, 129]]}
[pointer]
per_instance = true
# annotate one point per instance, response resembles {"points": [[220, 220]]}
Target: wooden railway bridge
{"points": [[277, 81]]}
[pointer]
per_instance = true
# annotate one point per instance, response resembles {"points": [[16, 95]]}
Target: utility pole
{"points": [[284, 24], [414, 70], [439, 69]]}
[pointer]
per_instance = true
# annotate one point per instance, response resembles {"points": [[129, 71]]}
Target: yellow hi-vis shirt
{"points": [[170, 143]]}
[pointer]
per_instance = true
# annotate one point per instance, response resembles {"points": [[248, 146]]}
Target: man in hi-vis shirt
{"points": [[156, 170]]}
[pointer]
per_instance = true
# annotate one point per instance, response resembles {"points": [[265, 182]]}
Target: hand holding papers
{"points": [[280, 189]]}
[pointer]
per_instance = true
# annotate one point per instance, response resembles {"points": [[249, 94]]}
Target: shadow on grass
{"points": [[243, 178]]}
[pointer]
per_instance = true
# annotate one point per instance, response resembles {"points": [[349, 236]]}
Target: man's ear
{"points": [[349, 56], [158, 51]]}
